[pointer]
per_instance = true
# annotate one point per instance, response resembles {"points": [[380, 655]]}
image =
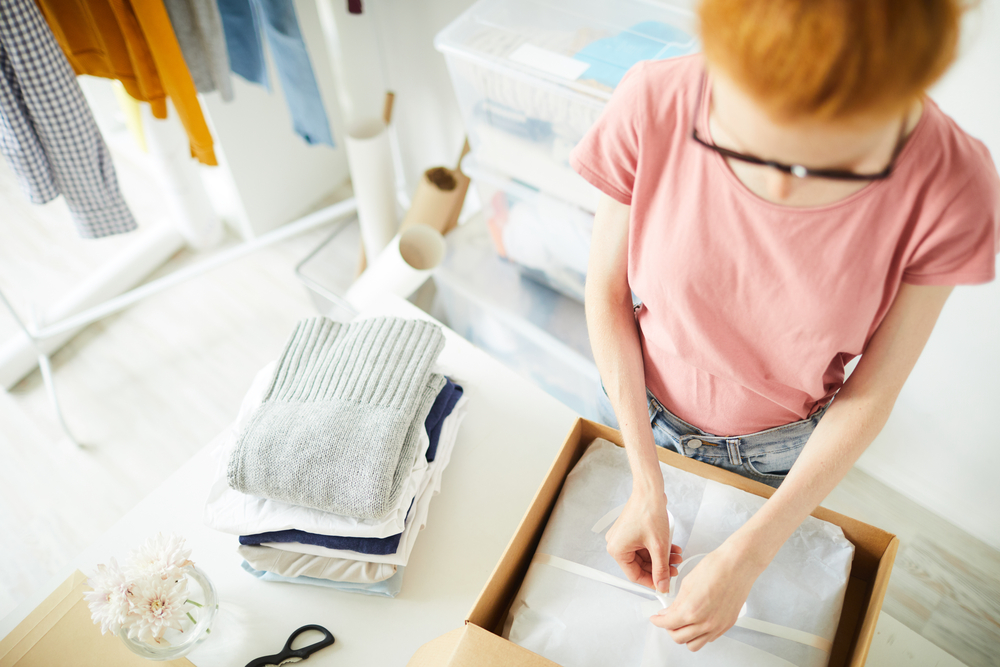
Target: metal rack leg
{"points": [[44, 364]]}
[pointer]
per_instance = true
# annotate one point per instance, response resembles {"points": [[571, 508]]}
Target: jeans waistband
{"points": [[690, 439]]}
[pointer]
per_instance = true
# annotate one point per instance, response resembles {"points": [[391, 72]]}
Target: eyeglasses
{"points": [[797, 170]]}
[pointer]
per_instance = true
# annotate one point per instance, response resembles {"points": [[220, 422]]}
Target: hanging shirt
{"points": [[47, 132], [198, 26], [132, 41], [751, 309]]}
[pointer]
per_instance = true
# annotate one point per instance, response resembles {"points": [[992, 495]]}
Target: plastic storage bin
{"points": [[533, 330], [547, 238], [532, 77]]}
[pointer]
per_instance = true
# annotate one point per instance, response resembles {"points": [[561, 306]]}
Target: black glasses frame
{"points": [[796, 170]]}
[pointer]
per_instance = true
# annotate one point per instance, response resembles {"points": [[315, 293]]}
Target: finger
{"points": [[661, 568], [675, 549], [631, 564], [687, 633], [698, 643], [671, 618], [643, 560]]}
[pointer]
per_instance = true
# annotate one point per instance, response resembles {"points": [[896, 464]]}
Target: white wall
{"points": [[941, 446], [273, 176], [429, 124]]}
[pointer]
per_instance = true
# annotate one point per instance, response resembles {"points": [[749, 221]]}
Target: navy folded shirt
{"points": [[443, 405], [381, 546]]}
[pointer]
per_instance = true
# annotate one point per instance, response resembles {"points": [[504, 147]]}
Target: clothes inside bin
{"points": [[549, 238]]}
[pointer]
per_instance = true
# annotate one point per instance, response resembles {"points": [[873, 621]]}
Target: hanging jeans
{"points": [[242, 22]]}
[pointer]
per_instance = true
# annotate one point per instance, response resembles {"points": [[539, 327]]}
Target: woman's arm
{"points": [[639, 539], [710, 598]]}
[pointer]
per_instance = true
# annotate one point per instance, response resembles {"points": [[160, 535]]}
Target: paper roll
{"points": [[438, 199], [374, 181], [402, 267]]}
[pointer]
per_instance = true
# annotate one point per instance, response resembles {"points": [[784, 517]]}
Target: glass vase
{"points": [[203, 603]]}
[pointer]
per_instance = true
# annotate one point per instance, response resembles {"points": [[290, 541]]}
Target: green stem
{"points": [[193, 602], [192, 618]]}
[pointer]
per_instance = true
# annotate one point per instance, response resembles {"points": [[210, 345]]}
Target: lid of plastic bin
{"points": [[585, 45]]}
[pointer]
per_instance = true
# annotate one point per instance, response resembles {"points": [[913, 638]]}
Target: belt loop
{"points": [[652, 407], [733, 445]]}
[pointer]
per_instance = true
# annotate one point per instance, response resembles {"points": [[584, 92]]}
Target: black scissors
{"points": [[289, 654]]}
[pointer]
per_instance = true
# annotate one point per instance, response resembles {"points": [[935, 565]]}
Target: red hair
{"points": [[831, 59]]}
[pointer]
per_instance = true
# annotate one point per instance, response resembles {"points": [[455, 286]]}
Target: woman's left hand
{"points": [[709, 600]]}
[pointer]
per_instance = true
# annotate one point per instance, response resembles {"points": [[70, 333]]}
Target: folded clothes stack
{"points": [[328, 473]]}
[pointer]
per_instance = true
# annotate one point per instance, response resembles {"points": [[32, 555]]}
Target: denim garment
{"points": [[242, 21], [765, 456]]}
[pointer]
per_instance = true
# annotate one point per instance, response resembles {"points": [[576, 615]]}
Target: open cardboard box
{"points": [[479, 644]]}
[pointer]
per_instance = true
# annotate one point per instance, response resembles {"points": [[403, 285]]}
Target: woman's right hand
{"points": [[639, 541]]}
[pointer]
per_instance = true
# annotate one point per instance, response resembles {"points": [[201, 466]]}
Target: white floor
{"points": [[150, 386]]}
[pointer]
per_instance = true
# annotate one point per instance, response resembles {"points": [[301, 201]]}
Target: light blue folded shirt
{"points": [[389, 588]]}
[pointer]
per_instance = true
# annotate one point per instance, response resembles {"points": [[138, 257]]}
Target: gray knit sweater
{"points": [[340, 423]]}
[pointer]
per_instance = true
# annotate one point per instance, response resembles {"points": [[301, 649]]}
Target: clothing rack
{"points": [[41, 339]]}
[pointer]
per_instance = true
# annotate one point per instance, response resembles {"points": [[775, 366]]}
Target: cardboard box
{"points": [[479, 644], [60, 631]]}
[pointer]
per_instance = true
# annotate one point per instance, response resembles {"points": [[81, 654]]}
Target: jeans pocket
{"points": [[774, 464], [756, 469]]}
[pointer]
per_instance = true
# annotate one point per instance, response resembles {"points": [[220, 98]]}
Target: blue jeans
{"points": [[242, 21], [765, 456]]}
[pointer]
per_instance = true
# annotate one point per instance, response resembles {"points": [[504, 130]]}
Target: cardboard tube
{"points": [[438, 199], [374, 183], [402, 267]]}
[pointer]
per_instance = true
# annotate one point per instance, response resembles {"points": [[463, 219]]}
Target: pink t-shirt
{"points": [[750, 309]]}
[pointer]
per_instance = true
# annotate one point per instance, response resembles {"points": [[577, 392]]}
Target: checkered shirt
{"points": [[47, 132]]}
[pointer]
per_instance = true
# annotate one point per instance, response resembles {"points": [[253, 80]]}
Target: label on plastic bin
{"points": [[549, 62]]}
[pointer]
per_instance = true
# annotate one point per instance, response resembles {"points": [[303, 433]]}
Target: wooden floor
{"points": [[945, 584], [150, 386]]}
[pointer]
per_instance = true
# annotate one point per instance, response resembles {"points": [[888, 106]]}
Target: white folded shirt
{"points": [[230, 511], [417, 519]]}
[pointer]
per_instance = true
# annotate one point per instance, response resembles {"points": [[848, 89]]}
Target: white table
{"points": [[505, 446]]}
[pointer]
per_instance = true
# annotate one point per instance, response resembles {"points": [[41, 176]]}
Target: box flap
{"points": [[471, 646], [876, 594], [60, 632]]}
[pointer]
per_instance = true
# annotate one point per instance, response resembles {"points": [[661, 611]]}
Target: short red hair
{"points": [[831, 59]]}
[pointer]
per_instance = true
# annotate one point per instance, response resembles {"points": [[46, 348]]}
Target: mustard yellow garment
{"points": [[132, 41]]}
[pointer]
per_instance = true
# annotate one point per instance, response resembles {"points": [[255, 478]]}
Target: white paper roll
{"points": [[370, 160], [403, 266]]}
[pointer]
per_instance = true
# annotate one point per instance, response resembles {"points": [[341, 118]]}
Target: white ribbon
{"points": [[754, 624]]}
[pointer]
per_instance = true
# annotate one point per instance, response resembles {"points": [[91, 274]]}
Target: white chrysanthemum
{"points": [[160, 556], [109, 601], [157, 605]]}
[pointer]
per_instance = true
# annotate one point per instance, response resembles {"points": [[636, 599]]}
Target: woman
{"points": [[779, 205]]}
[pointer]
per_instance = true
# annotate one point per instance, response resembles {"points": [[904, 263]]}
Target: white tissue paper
{"points": [[577, 621]]}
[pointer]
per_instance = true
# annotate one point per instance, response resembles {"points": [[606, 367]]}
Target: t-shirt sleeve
{"points": [[608, 155], [961, 247]]}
